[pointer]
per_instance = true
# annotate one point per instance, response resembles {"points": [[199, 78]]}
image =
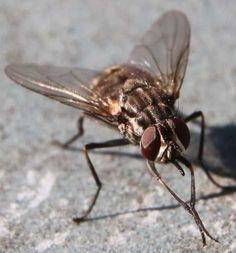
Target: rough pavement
{"points": [[43, 186]]}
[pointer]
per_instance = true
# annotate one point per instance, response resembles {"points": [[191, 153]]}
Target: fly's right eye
{"points": [[150, 143]]}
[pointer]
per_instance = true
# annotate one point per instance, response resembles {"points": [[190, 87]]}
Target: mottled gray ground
{"points": [[42, 186]]}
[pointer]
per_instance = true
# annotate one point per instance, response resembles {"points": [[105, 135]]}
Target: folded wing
{"points": [[164, 49]]}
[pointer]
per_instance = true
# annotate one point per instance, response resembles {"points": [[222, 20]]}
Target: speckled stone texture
{"points": [[43, 186]]}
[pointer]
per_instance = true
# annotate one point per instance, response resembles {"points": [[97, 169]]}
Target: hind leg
{"points": [[195, 115], [75, 137]]}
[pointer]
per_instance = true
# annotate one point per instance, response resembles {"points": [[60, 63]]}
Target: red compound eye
{"points": [[150, 143], [182, 131]]}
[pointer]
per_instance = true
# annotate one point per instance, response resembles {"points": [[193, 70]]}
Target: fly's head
{"points": [[165, 141]]}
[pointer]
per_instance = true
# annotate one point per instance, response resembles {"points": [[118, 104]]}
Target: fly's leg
{"points": [[90, 146], [79, 133], [193, 199], [194, 116], [191, 117], [191, 209]]}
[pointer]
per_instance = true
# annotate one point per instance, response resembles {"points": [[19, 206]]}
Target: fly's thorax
{"points": [[165, 141], [142, 104]]}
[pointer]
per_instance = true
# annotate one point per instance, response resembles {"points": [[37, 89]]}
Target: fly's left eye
{"points": [[182, 131], [150, 143]]}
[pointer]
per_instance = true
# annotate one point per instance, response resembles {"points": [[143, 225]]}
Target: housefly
{"points": [[136, 99]]}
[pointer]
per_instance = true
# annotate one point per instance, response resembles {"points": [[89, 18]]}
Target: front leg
{"points": [[190, 209]]}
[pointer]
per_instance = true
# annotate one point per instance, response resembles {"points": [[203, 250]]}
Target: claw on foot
{"points": [[78, 220]]}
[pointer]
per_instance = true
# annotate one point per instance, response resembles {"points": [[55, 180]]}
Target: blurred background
{"points": [[42, 186]]}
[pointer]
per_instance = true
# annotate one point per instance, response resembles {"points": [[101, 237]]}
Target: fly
{"points": [[136, 98]]}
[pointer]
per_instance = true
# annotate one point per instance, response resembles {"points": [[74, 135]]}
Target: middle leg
{"points": [[90, 146]]}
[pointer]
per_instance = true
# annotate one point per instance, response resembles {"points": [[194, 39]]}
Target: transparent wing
{"points": [[164, 49], [67, 85]]}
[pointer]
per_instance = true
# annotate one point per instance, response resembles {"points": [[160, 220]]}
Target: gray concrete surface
{"points": [[42, 186]]}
